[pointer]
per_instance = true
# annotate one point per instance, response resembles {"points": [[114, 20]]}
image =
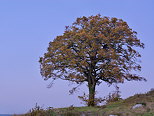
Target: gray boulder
{"points": [[137, 106], [112, 115]]}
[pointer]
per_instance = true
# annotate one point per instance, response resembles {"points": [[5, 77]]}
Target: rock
{"points": [[112, 115], [83, 114], [137, 106]]}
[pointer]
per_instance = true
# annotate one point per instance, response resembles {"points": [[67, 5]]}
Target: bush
{"points": [[85, 99]]}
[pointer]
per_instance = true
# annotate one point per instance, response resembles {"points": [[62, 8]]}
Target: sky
{"points": [[26, 28]]}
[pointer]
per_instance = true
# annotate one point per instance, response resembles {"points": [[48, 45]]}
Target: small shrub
{"points": [[113, 97], [85, 99], [39, 111]]}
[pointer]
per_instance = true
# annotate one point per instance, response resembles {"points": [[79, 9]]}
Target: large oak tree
{"points": [[92, 50]]}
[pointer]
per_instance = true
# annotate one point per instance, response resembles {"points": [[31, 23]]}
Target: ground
{"points": [[118, 108]]}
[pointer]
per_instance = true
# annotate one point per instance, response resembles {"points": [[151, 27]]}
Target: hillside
{"points": [[137, 105]]}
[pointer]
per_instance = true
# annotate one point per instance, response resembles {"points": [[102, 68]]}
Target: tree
{"points": [[92, 50]]}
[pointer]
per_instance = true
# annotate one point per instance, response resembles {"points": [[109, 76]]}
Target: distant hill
{"points": [[137, 105]]}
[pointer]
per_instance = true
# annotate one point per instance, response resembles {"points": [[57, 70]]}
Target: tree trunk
{"points": [[91, 100]]}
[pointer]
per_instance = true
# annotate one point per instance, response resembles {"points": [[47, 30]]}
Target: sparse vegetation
{"points": [[119, 108]]}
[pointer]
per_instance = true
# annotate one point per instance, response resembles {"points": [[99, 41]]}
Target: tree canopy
{"points": [[93, 49]]}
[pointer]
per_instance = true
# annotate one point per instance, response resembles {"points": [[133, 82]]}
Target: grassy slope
{"points": [[120, 108]]}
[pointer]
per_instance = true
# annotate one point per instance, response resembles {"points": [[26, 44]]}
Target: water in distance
{"points": [[6, 115]]}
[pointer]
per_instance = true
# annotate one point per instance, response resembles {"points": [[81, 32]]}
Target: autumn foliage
{"points": [[92, 50]]}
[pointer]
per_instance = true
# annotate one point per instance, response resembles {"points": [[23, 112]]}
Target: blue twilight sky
{"points": [[27, 26]]}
